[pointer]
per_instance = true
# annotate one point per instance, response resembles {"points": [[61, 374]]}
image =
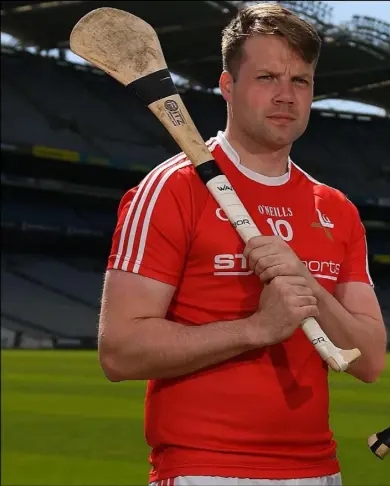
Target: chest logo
{"points": [[324, 223]]}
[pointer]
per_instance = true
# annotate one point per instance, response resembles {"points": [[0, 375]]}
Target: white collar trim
{"points": [[255, 176]]}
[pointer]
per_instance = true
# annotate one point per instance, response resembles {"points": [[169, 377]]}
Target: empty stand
{"points": [[346, 154], [23, 119], [56, 108], [61, 277], [66, 106], [36, 301], [60, 216], [15, 333]]}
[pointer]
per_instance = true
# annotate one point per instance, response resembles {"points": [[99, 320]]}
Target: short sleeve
{"points": [[153, 229], [354, 267]]}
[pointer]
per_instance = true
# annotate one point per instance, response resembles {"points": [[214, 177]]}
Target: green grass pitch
{"points": [[63, 423]]}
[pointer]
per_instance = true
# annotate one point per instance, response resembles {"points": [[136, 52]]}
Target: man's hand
{"points": [[284, 303], [351, 318], [271, 256]]}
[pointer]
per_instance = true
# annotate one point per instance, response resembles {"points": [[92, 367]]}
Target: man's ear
{"points": [[226, 85]]}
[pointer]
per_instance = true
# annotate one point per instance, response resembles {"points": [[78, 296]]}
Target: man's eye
{"points": [[301, 81], [267, 77]]}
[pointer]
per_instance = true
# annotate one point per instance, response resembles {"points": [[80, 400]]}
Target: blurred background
{"points": [[73, 141]]}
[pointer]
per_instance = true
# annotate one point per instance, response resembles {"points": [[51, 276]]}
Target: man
{"points": [[236, 392]]}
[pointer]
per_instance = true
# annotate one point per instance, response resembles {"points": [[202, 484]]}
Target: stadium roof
{"points": [[354, 64]]}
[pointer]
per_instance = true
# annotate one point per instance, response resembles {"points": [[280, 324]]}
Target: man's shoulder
{"points": [[323, 190], [174, 177], [176, 173], [179, 167], [178, 164]]}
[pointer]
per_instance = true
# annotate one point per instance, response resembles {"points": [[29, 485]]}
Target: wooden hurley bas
{"points": [[128, 49]]}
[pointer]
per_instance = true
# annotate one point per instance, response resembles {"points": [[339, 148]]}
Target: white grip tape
{"points": [[230, 203], [228, 200], [325, 348]]}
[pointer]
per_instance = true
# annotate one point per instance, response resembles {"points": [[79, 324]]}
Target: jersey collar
{"points": [[254, 176]]}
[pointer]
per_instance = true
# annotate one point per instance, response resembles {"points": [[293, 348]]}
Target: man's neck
{"points": [[260, 159]]}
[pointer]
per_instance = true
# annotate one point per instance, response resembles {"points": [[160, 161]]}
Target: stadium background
{"points": [[72, 142]]}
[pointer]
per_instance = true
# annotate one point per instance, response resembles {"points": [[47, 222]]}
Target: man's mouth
{"points": [[282, 119], [282, 116]]}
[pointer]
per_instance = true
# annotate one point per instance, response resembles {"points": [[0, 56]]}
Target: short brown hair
{"points": [[268, 19]]}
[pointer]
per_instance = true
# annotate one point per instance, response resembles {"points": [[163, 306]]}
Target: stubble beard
{"points": [[264, 136]]}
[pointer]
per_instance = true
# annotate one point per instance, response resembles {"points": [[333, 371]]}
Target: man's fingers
{"points": [[278, 270], [263, 244], [272, 272], [303, 290], [306, 300], [310, 311], [290, 280], [271, 261], [267, 255], [260, 264]]}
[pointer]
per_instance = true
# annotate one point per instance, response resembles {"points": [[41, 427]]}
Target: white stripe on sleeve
{"points": [[151, 205], [148, 181]]}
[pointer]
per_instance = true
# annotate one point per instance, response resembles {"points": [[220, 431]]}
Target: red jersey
{"points": [[263, 414]]}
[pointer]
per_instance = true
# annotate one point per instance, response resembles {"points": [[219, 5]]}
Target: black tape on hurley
{"points": [[208, 170], [154, 87]]}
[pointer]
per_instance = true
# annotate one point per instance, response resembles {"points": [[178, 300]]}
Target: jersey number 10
{"points": [[281, 228]]}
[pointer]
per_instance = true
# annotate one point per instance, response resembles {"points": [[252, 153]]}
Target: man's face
{"points": [[271, 98]]}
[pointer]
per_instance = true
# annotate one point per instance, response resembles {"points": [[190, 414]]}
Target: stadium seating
{"points": [[55, 107], [58, 215], [59, 275], [44, 297], [63, 106], [18, 334], [23, 122], [347, 154]]}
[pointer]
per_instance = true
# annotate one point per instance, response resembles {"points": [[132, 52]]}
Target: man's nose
{"points": [[285, 93]]}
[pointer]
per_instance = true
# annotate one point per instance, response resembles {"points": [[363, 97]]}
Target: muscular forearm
{"points": [[348, 331], [158, 348]]}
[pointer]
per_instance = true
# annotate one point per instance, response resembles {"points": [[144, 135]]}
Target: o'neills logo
{"points": [[275, 211]]}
